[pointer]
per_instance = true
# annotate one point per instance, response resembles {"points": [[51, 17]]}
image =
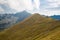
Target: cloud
{"points": [[49, 12], [36, 4], [50, 7], [1, 10], [21, 5], [53, 3], [15, 4], [44, 7], [3, 1]]}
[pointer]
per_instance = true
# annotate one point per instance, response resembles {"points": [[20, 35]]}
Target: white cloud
{"points": [[51, 0], [15, 4], [51, 7], [27, 4], [53, 3], [21, 5], [1, 10], [37, 4], [50, 12], [3, 1]]}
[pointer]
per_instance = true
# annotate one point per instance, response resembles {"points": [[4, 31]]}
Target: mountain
{"points": [[35, 27], [22, 15], [56, 17], [7, 20]]}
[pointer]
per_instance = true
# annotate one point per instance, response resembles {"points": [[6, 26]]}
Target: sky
{"points": [[43, 7]]}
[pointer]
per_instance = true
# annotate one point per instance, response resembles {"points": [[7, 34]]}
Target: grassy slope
{"points": [[35, 27]]}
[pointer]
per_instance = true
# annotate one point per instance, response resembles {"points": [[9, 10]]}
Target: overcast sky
{"points": [[44, 7]]}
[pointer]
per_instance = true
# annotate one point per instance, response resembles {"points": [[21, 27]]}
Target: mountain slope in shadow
{"points": [[35, 27]]}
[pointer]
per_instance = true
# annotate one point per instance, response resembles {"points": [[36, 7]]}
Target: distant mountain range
{"points": [[7, 20], [35, 27], [56, 17]]}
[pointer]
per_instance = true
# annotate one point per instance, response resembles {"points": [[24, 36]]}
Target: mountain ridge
{"points": [[7, 20], [35, 27]]}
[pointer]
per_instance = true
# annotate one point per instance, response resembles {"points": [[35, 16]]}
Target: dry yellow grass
{"points": [[35, 27]]}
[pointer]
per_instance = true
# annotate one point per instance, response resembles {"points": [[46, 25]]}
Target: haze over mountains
{"points": [[7, 20], [35, 27], [56, 17]]}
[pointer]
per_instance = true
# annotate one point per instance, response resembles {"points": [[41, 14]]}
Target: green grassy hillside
{"points": [[36, 27]]}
